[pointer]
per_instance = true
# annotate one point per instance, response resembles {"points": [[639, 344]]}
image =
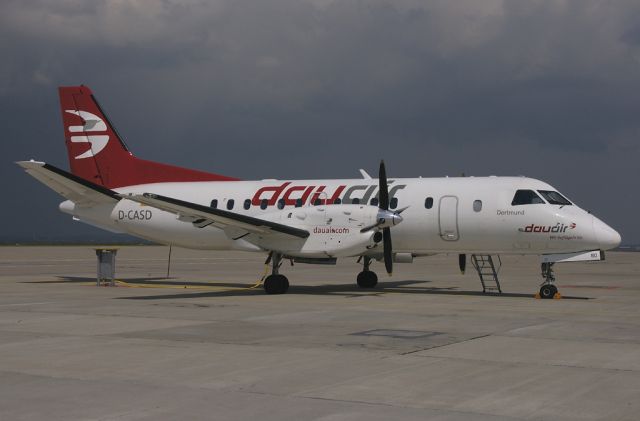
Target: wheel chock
{"points": [[556, 296]]}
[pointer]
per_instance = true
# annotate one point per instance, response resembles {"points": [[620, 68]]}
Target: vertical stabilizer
{"points": [[98, 154]]}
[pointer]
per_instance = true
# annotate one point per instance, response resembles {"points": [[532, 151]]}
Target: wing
{"points": [[69, 186], [203, 215]]}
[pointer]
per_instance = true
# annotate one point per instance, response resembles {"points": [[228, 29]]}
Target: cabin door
{"points": [[449, 218]]}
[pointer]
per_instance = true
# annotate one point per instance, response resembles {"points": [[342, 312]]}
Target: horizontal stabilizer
{"points": [[69, 186]]}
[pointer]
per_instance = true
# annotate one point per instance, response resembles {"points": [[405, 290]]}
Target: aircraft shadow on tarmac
{"points": [[349, 290]]}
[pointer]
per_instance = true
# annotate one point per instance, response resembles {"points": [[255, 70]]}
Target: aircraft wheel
{"points": [[276, 284], [367, 279], [548, 291]]}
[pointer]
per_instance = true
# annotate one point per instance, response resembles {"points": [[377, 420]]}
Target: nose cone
{"points": [[608, 238], [388, 219]]}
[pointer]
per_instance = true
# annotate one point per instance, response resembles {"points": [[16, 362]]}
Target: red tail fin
{"points": [[98, 154]]}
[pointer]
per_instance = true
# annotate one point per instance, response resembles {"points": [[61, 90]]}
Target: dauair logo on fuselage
{"points": [[557, 228], [293, 195], [92, 123]]}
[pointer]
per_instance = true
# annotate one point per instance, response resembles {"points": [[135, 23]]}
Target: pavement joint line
{"points": [[514, 363], [26, 304], [596, 340], [443, 345], [302, 396], [390, 405]]}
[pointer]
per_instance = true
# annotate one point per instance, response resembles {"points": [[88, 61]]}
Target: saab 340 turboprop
{"points": [[313, 221]]}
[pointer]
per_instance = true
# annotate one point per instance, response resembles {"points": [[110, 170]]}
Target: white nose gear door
{"points": [[449, 218]]}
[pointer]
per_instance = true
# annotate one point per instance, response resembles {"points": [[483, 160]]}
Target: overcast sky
{"points": [[320, 88]]}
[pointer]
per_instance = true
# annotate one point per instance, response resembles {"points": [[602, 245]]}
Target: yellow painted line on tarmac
{"points": [[169, 286], [196, 287], [126, 284], [133, 284]]}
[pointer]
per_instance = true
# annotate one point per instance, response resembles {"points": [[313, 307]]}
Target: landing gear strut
{"points": [[547, 289], [276, 283], [367, 278]]}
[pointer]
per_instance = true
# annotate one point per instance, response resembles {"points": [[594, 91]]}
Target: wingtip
{"points": [[30, 163]]}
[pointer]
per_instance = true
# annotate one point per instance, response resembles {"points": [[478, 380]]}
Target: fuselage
{"points": [[442, 215]]}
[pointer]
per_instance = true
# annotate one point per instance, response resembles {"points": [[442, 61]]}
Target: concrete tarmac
{"points": [[203, 344]]}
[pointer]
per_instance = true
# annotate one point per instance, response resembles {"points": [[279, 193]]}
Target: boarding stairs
{"points": [[487, 269]]}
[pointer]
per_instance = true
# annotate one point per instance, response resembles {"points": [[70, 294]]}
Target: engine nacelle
{"points": [[335, 230]]}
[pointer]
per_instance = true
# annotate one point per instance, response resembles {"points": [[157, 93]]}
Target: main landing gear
{"points": [[279, 284], [547, 288], [367, 278], [275, 283]]}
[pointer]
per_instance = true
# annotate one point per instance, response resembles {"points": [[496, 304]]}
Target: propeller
{"points": [[386, 231], [385, 218], [462, 262]]}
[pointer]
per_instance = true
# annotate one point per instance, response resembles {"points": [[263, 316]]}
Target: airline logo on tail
{"points": [[92, 123]]}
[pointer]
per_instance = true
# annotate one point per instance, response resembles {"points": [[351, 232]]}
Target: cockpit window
{"points": [[554, 198], [526, 197]]}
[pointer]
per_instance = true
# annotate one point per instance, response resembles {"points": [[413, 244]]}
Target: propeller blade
{"points": [[384, 187], [370, 227], [462, 262], [387, 249]]}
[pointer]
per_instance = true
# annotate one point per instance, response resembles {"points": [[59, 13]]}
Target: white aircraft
{"points": [[313, 221]]}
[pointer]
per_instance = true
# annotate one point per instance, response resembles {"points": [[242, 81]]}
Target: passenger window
{"points": [[280, 203], [554, 198], [263, 204], [526, 197], [214, 203], [477, 205], [230, 204], [428, 202], [317, 202], [355, 201], [374, 201], [247, 204], [298, 203], [393, 203], [337, 201]]}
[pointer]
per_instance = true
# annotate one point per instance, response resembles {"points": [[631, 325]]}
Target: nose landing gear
{"points": [[547, 288]]}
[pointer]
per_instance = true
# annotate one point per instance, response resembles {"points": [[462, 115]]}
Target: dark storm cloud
{"points": [[291, 88]]}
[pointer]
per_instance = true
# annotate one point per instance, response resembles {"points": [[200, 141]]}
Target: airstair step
{"points": [[485, 266]]}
